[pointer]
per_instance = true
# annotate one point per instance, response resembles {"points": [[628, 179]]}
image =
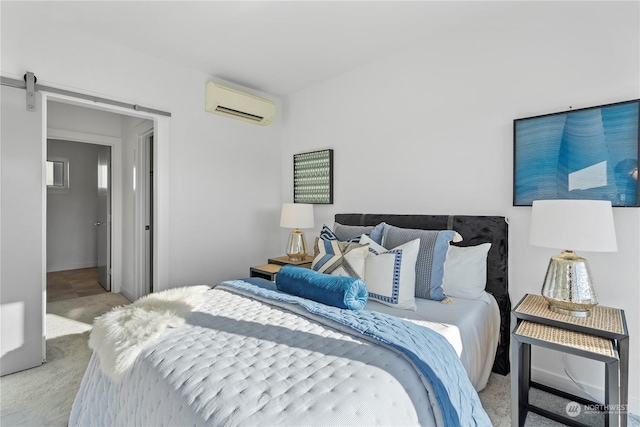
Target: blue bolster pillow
{"points": [[338, 291]]}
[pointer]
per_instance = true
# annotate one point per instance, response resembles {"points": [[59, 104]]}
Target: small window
{"points": [[58, 174]]}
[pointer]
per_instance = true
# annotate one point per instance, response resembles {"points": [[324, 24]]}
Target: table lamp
{"points": [[584, 225], [297, 216]]}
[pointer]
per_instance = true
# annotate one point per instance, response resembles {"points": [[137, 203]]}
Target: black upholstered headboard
{"points": [[474, 230]]}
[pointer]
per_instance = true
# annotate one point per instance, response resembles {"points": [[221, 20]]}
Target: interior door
{"points": [[104, 217], [22, 232]]}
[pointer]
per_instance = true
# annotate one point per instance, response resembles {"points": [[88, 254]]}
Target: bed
{"points": [[245, 353], [475, 230]]}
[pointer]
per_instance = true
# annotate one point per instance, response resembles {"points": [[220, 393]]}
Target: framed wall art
{"points": [[588, 154], [313, 177]]}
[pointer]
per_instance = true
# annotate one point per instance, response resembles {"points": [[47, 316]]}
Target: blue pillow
{"points": [[339, 291]]}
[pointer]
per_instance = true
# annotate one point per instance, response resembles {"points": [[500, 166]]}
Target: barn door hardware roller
{"points": [[30, 79]]}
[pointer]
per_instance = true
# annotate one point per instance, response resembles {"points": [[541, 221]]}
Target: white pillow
{"points": [[465, 271], [390, 275]]}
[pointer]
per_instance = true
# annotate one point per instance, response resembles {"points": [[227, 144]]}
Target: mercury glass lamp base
{"points": [[297, 246], [574, 313], [568, 287]]}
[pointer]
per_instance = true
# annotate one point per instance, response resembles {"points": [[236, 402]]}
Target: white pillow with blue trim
{"points": [[390, 274]]}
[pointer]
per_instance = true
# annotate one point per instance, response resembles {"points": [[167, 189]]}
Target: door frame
{"points": [[143, 131], [161, 188]]}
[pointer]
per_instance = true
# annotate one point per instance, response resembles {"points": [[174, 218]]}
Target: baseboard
{"points": [[564, 383], [127, 295], [71, 266]]}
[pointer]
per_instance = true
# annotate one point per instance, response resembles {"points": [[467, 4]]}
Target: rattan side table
{"points": [[603, 336]]}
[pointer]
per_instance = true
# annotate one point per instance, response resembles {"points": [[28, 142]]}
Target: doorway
{"points": [[125, 272], [122, 129], [78, 249]]}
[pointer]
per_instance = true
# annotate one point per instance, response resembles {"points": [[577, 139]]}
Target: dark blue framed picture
{"points": [[588, 154]]}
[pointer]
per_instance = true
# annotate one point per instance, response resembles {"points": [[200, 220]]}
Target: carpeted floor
{"points": [[43, 396], [496, 399]]}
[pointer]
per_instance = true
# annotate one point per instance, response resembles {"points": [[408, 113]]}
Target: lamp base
{"points": [[297, 246], [568, 287], [566, 312]]}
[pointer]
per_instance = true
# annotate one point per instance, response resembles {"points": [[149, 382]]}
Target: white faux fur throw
{"points": [[120, 335]]}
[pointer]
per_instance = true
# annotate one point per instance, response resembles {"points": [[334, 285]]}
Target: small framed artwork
{"points": [[588, 154], [313, 177]]}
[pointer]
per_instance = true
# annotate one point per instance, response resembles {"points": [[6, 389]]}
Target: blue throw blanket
{"points": [[338, 291], [429, 351]]}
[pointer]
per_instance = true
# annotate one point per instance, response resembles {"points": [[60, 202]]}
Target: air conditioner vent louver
{"points": [[239, 113], [233, 103]]}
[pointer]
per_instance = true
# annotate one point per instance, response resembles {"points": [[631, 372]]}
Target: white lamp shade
{"points": [[297, 215], [576, 225]]}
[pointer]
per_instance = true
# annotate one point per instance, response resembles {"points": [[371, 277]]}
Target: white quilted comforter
{"points": [[239, 361]]}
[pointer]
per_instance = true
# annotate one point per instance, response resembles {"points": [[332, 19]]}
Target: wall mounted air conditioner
{"points": [[240, 105]]}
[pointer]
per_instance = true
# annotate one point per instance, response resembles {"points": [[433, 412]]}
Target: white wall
{"points": [[72, 238], [429, 130], [224, 174]]}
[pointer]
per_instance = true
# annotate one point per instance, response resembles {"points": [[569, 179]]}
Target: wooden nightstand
{"points": [[603, 336], [270, 270], [265, 271]]}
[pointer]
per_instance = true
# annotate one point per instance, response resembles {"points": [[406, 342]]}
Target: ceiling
{"points": [[278, 47]]}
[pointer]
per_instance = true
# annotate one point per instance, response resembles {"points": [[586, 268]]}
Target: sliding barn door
{"points": [[22, 192]]}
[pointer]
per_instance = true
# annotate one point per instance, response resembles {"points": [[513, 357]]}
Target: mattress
{"points": [[242, 360], [471, 326]]}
